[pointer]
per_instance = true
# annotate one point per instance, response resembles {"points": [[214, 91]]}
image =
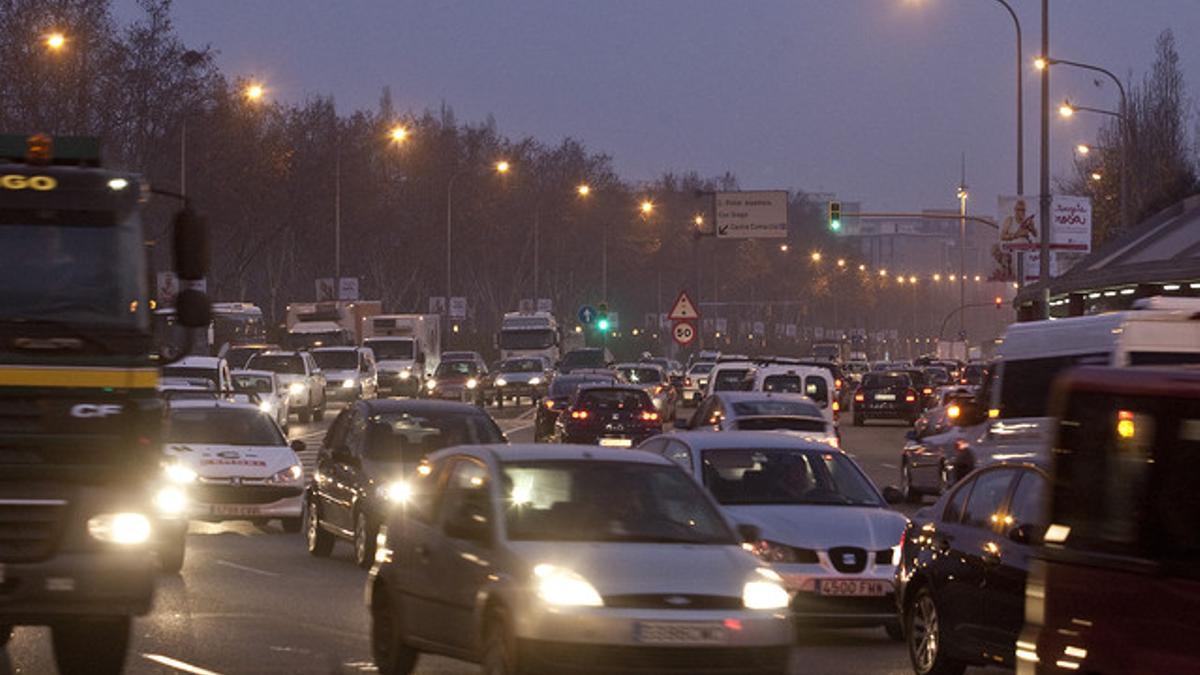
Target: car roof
{"points": [[254, 345], [744, 396], [281, 352], [615, 385], [214, 404], [523, 452], [248, 371], [197, 362], [335, 348], [639, 364], [748, 439]]}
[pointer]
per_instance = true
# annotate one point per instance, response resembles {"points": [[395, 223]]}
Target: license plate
{"points": [[616, 442], [233, 510], [885, 397], [680, 633], [852, 587]]}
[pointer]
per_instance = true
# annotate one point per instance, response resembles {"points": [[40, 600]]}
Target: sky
{"points": [[874, 100]]}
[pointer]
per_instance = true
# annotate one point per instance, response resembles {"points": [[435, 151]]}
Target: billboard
{"points": [[751, 214], [1020, 232]]}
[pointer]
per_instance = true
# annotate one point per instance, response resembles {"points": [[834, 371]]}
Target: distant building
{"points": [[921, 246]]}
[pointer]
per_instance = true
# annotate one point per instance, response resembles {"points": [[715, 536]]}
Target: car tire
{"points": [[895, 630], [304, 416], [364, 541], [316, 539], [911, 494], [291, 525], [171, 553], [91, 646], [391, 655], [500, 655], [925, 637]]}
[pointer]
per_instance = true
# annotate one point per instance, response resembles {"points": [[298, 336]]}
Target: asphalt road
{"points": [[252, 601]]}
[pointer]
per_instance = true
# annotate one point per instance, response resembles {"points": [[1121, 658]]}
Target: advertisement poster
{"points": [[1017, 220]]}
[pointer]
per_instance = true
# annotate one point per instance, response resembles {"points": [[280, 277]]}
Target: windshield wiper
{"points": [[46, 343]]}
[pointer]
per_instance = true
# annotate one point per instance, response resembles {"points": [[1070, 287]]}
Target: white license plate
{"points": [[885, 397], [680, 633], [616, 442], [233, 510], [852, 587]]}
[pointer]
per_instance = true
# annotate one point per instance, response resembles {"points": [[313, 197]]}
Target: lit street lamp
{"points": [[583, 190], [56, 41], [816, 256], [646, 207], [1083, 149], [254, 92], [398, 134]]}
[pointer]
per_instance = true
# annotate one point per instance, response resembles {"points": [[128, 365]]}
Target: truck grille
{"points": [[29, 528]]}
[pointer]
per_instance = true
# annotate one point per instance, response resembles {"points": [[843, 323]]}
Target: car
{"points": [[972, 374], [586, 358], [730, 375], [239, 355], [695, 382], [239, 464], [937, 455], [463, 381], [350, 372], [942, 414], [214, 369], [960, 583], [654, 381], [526, 376], [823, 524], [763, 411], [265, 386], [558, 397], [890, 395], [399, 370], [473, 357], [304, 379], [816, 380], [554, 559], [612, 415], [365, 460]]}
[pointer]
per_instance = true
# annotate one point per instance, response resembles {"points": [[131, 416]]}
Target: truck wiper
{"points": [[47, 343]]}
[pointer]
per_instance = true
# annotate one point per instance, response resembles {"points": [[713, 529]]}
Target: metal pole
{"points": [[337, 224], [183, 159], [962, 259], [604, 265], [1044, 188], [537, 216], [1020, 102], [449, 212]]}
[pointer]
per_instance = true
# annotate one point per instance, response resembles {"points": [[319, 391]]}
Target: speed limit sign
{"points": [[684, 333]]}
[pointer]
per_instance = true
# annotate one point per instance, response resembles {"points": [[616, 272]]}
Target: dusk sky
{"points": [[872, 99]]}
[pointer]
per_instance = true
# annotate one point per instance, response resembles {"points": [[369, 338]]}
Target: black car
{"points": [[366, 457], [960, 584], [587, 358], [890, 395], [562, 388], [617, 416]]}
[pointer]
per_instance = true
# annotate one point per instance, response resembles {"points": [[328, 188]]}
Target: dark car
{"points": [[464, 381], [960, 585], [365, 461], [973, 374], [888, 395], [617, 416], [937, 454], [562, 388], [587, 358]]}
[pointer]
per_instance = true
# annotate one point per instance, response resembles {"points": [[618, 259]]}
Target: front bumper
{"points": [[70, 585], [340, 393], [594, 437], [521, 389], [809, 605], [392, 383], [219, 502]]}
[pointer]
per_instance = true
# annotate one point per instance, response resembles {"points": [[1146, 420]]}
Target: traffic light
{"points": [[602, 318], [835, 216]]}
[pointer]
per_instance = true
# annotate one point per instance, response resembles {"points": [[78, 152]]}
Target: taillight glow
{"points": [[649, 416], [859, 397], [579, 414], [927, 391], [837, 406], [687, 381], [549, 404], [910, 396]]}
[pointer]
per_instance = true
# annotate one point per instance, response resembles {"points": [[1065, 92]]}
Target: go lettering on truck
{"points": [[15, 181]]}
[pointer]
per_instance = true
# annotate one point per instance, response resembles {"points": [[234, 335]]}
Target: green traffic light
{"points": [[835, 225], [602, 325]]}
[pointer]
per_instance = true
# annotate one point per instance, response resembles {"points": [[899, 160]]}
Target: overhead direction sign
{"points": [[684, 309], [683, 332], [751, 214]]}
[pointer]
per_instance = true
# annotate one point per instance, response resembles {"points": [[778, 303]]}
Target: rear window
{"points": [[277, 363], [590, 358], [790, 384], [780, 424], [885, 380], [730, 379], [775, 408], [816, 388], [565, 385], [641, 375], [701, 369], [613, 399]]}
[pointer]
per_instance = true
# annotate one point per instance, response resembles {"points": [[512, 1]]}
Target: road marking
{"points": [[888, 466], [178, 665], [247, 569], [514, 430]]}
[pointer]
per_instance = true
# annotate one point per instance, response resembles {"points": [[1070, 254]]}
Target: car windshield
{"points": [[786, 476], [776, 408], [191, 373], [885, 381], [456, 369], [608, 502], [613, 399], [259, 384], [566, 385], [391, 350], [336, 359], [701, 369], [284, 364], [521, 366], [527, 339], [409, 436], [583, 358], [222, 426], [639, 375], [791, 384]]}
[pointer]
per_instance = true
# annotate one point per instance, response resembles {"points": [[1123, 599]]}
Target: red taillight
{"points": [[579, 414], [859, 397], [910, 396], [928, 391], [837, 383], [649, 416], [687, 381]]}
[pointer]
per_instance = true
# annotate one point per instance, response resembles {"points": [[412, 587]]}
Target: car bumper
{"points": [[887, 410], [810, 606], [615, 439], [110, 583], [340, 393], [394, 384], [521, 389], [215, 503]]}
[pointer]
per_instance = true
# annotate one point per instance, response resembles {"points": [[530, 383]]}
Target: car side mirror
{"points": [[298, 446], [892, 495], [750, 534], [469, 523]]}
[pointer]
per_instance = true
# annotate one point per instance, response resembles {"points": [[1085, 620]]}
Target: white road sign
{"points": [[458, 308], [751, 214], [684, 333], [683, 310]]}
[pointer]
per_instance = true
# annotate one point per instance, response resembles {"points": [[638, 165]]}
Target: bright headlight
{"points": [[405, 374], [297, 388], [178, 473], [472, 383], [535, 381], [266, 407], [431, 385], [171, 501], [501, 382], [563, 587], [120, 528], [395, 491], [765, 591], [348, 384], [292, 473]]}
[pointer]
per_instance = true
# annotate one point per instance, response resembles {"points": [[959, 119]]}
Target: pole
{"points": [[537, 217], [1020, 102], [1044, 187], [337, 225], [449, 220], [962, 260], [604, 265], [183, 158]]}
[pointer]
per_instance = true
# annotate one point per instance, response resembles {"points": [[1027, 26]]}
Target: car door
{"points": [[1007, 565], [344, 472], [412, 533], [324, 477]]}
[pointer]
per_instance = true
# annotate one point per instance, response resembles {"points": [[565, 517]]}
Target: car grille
{"points": [[242, 494], [883, 557], [848, 559], [672, 601], [30, 528], [605, 658]]}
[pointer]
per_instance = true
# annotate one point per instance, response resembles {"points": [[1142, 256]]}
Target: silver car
{"points": [[824, 526], [529, 558]]}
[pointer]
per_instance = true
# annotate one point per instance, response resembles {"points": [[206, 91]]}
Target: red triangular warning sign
{"points": [[684, 310]]}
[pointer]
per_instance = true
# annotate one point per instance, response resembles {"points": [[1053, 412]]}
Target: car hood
{"points": [[520, 378], [227, 461], [288, 378], [629, 568], [823, 527]]}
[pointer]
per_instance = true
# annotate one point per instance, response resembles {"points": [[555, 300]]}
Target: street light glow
{"points": [[1083, 149], [937, 277], [399, 134], [783, 247], [583, 189], [646, 206], [56, 41], [862, 268], [883, 273], [841, 262], [502, 166], [699, 220], [1096, 175], [912, 280], [816, 256], [1066, 109], [254, 92], [1040, 63]]}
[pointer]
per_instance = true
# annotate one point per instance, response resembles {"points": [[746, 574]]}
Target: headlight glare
{"points": [[397, 492], [348, 384], [535, 381], [431, 385], [472, 383], [178, 473], [120, 528], [292, 473], [565, 588], [405, 374], [501, 382], [171, 501], [765, 591], [296, 388], [266, 407]]}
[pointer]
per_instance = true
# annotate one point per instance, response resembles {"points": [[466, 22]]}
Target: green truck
{"points": [[81, 461]]}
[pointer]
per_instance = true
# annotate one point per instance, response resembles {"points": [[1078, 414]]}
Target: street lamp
{"points": [[398, 134], [254, 92], [1097, 176], [1083, 148], [500, 167], [1066, 109], [841, 262], [783, 247], [583, 190], [862, 268], [55, 41], [646, 207], [816, 256]]}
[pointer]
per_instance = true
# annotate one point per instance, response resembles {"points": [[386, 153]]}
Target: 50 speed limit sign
{"points": [[684, 333]]}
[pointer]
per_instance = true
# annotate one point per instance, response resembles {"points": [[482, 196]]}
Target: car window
{"points": [[259, 384], [785, 476], [466, 493], [427, 492], [336, 359], [1029, 504], [222, 426], [456, 368], [790, 384], [730, 379], [680, 454], [987, 497], [885, 380], [954, 507], [279, 363], [613, 399], [1025, 383], [409, 435], [816, 388], [635, 375], [356, 431], [776, 407]]}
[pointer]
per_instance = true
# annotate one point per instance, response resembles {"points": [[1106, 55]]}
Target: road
{"points": [[253, 601]]}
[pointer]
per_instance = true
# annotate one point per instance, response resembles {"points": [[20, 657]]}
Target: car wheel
{"points": [[319, 542], [291, 525], [364, 541], [91, 646], [304, 416], [894, 630], [499, 648], [392, 656], [171, 553], [911, 495], [926, 646]]}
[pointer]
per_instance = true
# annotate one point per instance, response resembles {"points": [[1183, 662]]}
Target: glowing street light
{"points": [[1040, 63], [583, 189], [254, 92], [1096, 175], [841, 262], [698, 220], [398, 134], [937, 277], [1083, 149], [783, 247], [862, 268], [883, 273], [646, 207], [1066, 109], [56, 41], [816, 256], [912, 280], [502, 166]]}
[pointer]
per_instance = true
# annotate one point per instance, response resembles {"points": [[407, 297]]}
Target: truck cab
{"points": [[407, 349], [533, 334]]}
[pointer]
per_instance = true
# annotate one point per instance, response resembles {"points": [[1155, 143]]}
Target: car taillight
{"points": [[859, 396], [549, 404], [836, 406], [928, 391], [834, 442], [649, 416], [687, 381], [579, 414], [837, 383], [910, 396]]}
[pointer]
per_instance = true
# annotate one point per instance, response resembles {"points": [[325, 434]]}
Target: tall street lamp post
{"points": [[500, 167]]}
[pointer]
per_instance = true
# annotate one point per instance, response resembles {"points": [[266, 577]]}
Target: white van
{"points": [[813, 381]]}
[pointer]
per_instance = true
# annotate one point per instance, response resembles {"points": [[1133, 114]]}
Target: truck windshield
{"points": [[391, 350], [527, 339]]}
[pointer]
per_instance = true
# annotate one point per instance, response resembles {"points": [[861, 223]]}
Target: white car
{"points": [[764, 411], [824, 526], [350, 372], [271, 393], [695, 382], [235, 463], [815, 381], [214, 369], [304, 380]]}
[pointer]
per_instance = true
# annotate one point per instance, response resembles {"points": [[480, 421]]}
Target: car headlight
{"points": [[773, 552], [396, 491], [171, 501], [765, 591], [565, 588], [292, 473], [297, 388], [431, 385], [266, 407], [535, 381], [120, 528], [348, 384], [472, 383], [897, 554], [178, 473], [500, 382], [405, 374]]}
